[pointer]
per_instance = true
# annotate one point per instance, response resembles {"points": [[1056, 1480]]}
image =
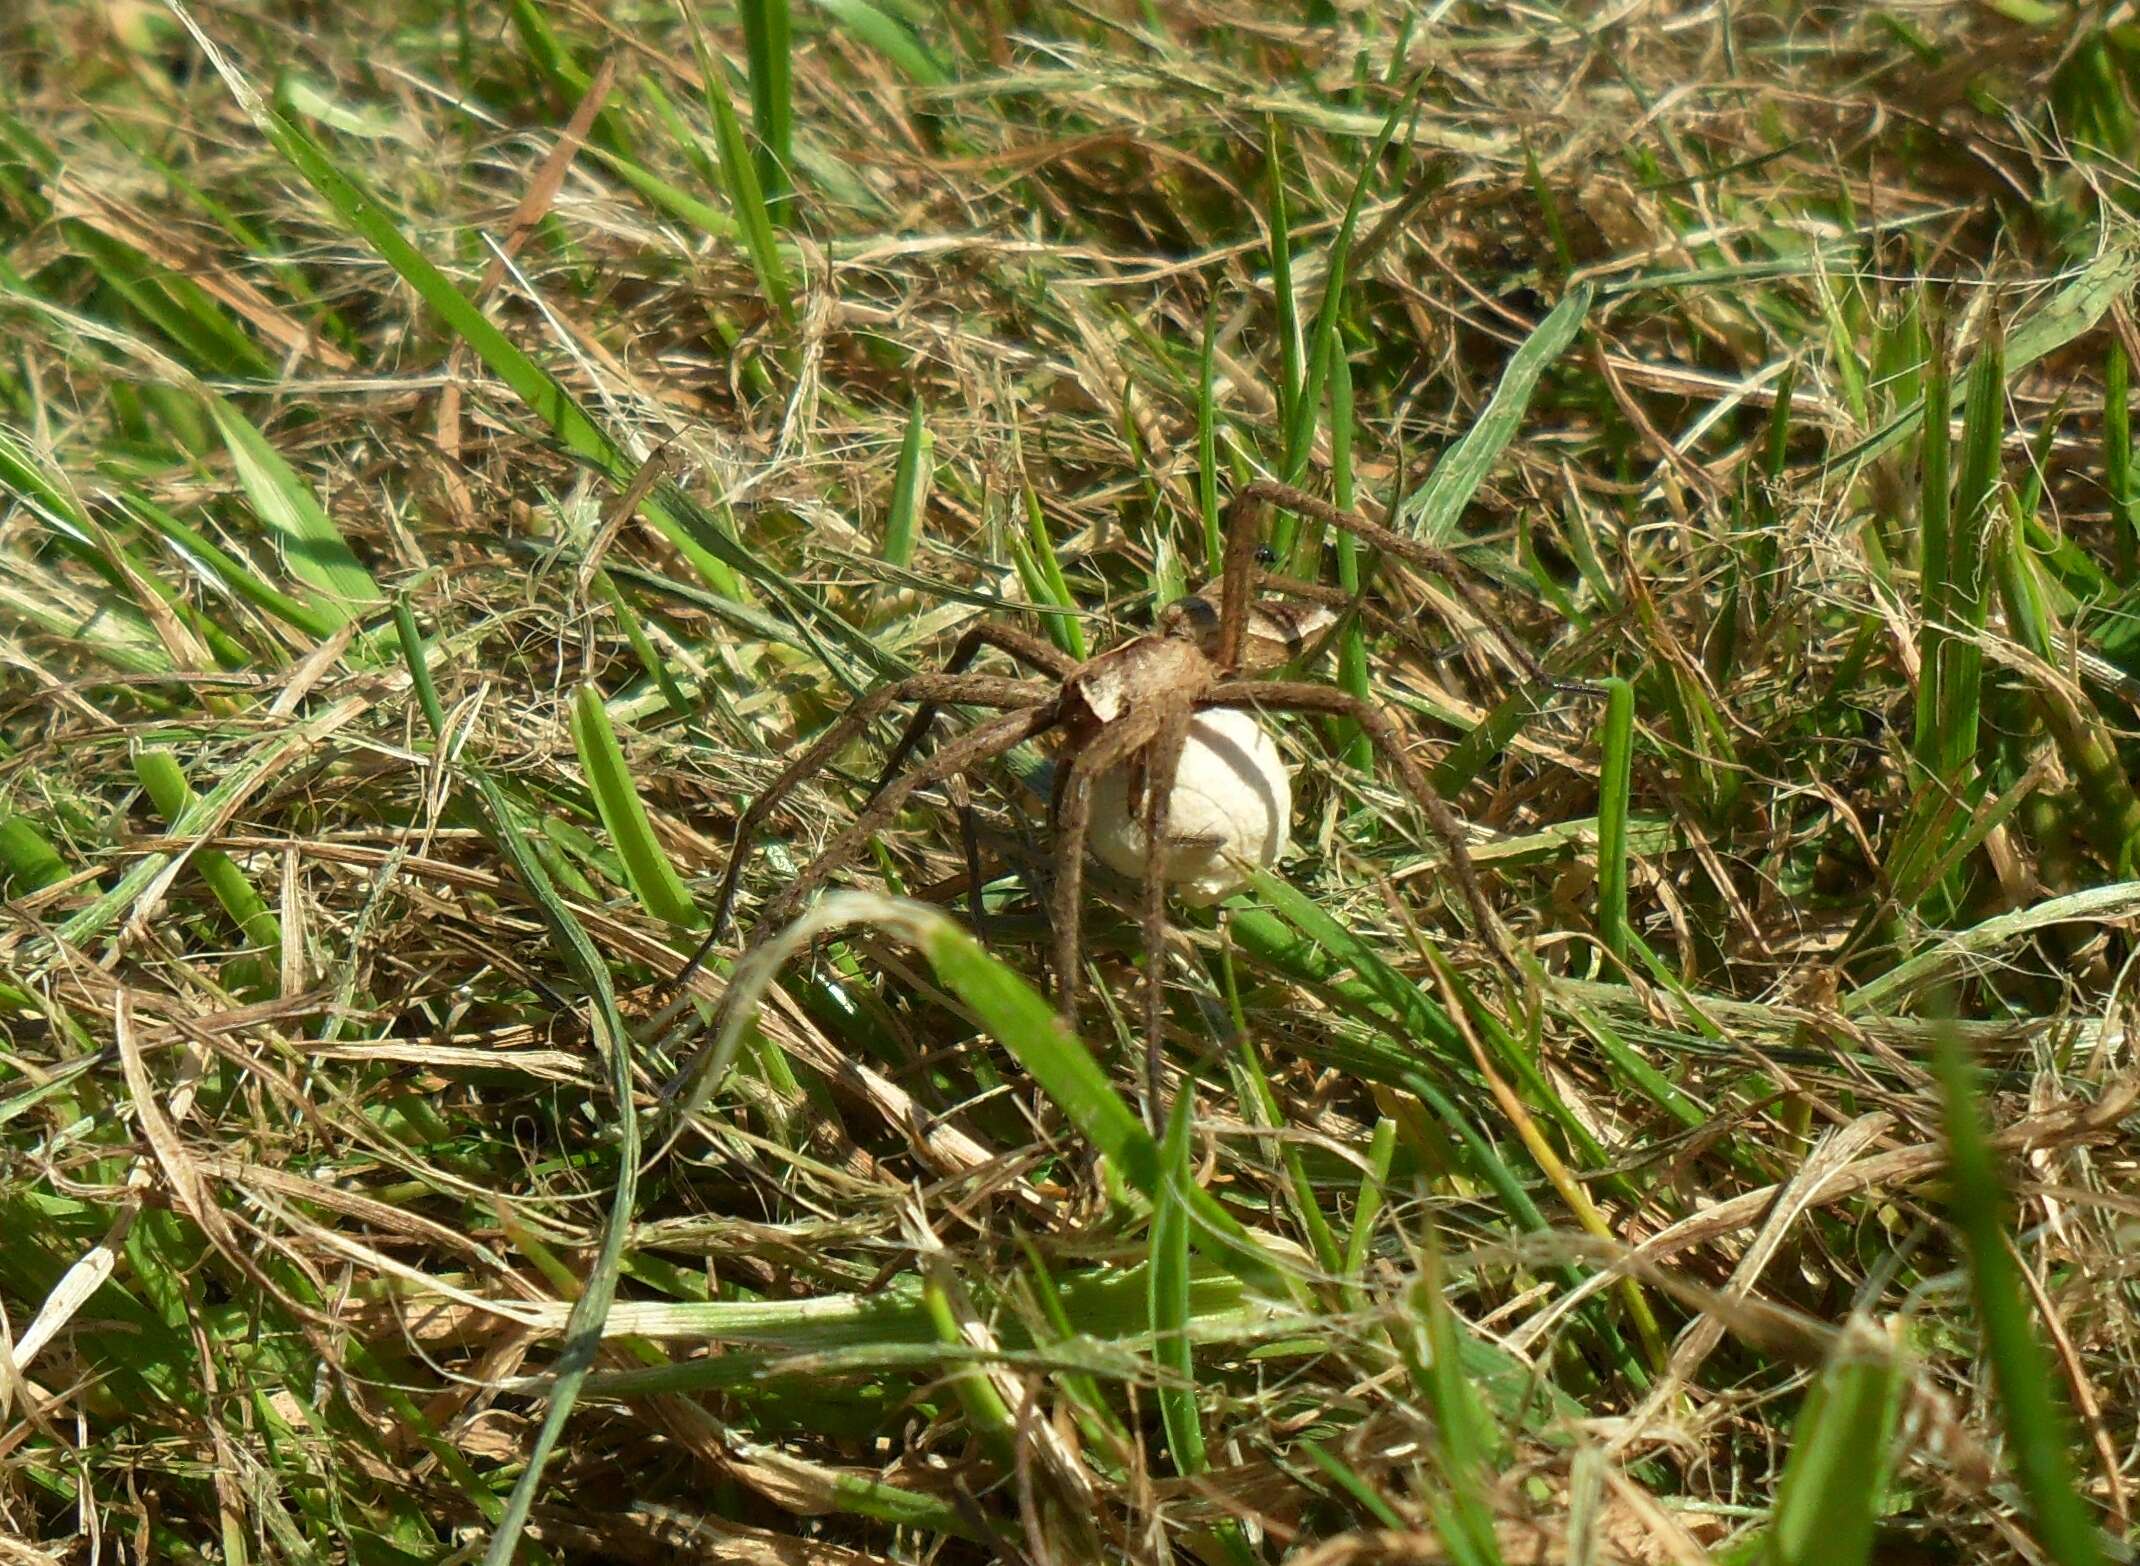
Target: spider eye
{"points": [[1265, 555]]}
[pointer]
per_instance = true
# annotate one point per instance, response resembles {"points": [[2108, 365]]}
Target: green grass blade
{"points": [[1207, 442], [889, 37], [1042, 573], [684, 207], [583, 1329], [1367, 1207], [1424, 1022], [1434, 510], [741, 171], [2111, 819], [1287, 305], [1548, 209], [910, 489], [314, 619], [1352, 670], [1322, 344], [2118, 474], [237, 781], [766, 35], [173, 797], [1615, 771], [716, 557], [1463, 1445], [646, 864], [554, 63], [1348, 1479], [2078, 308], [989, 1417], [643, 648], [1093, 1410], [1260, 1105], [1935, 509], [1168, 1277], [313, 546], [28, 862], [1027, 1026], [1965, 595], [2039, 1431], [1835, 1479]]}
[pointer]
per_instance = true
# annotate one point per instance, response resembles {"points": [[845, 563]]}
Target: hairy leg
{"points": [[1108, 749], [1245, 514], [991, 739], [1295, 696], [979, 690], [1032, 651], [969, 750], [1029, 650], [1162, 762], [1241, 567]]}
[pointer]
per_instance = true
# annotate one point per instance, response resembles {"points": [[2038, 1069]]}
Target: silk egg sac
{"points": [[1232, 803]]}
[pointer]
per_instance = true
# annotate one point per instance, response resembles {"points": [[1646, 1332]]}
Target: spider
{"points": [[1129, 706]]}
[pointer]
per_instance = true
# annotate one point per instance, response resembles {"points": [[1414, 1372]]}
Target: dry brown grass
{"points": [[298, 1191]]}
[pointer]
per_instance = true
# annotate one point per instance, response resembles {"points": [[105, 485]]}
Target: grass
{"points": [[451, 453]]}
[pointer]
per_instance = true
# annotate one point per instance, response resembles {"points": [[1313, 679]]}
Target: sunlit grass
{"points": [[425, 531]]}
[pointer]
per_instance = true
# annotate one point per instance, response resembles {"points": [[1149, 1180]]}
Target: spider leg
{"points": [[1240, 569], [1029, 650], [1162, 762], [1293, 696], [1264, 493], [1108, 749], [968, 750], [980, 690], [991, 739], [970, 846]]}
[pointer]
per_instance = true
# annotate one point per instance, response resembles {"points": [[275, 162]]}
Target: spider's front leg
{"points": [[1246, 515], [969, 750], [1162, 763], [1240, 567], [1029, 650], [991, 739], [1111, 747]]}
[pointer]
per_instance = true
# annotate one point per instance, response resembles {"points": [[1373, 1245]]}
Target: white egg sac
{"points": [[1232, 802]]}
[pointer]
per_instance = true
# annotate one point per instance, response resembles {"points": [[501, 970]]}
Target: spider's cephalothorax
{"points": [[1124, 680], [1131, 707]]}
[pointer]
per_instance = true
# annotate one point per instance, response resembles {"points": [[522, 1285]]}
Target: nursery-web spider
{"points": [[1129, 706]]}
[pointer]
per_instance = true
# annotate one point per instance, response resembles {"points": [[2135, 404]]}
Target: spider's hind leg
{"points": [[978, 690], [1299, 696]]}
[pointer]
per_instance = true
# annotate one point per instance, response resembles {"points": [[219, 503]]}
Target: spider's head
{"points": [[1266, 556], [1192, 619]]}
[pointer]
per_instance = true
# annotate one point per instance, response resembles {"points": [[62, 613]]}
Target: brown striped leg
{"points": [[1296, 696], [1266, 493], [1111, 747], [1029, 650], [991, 739], [1162, 763], [978, 690]]}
